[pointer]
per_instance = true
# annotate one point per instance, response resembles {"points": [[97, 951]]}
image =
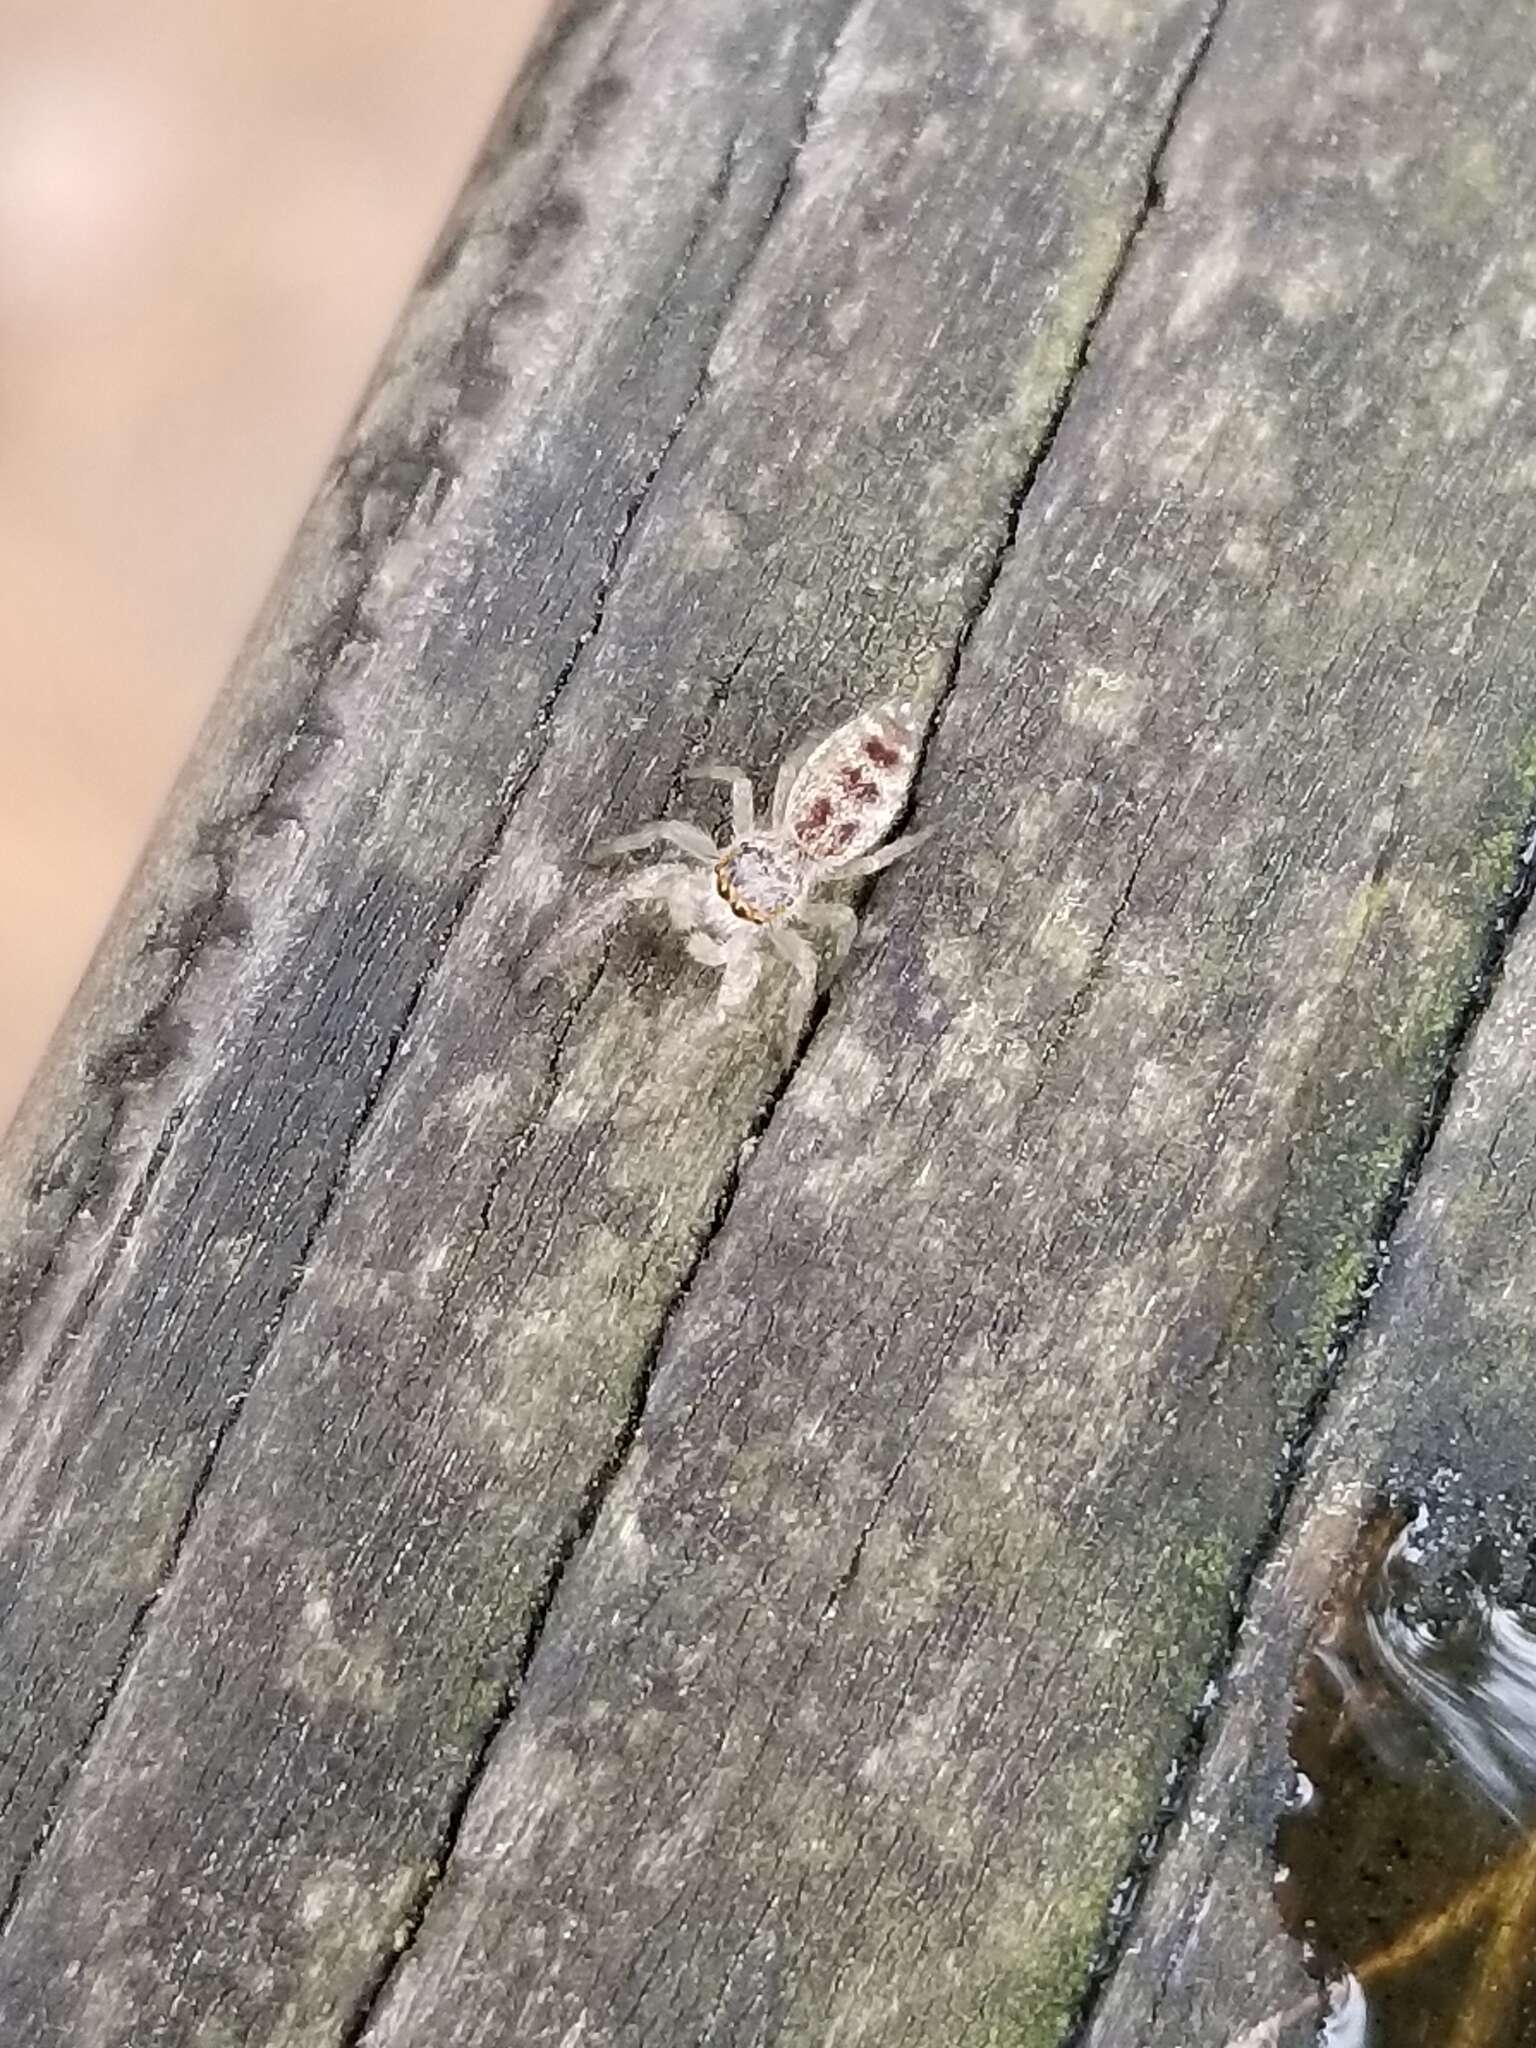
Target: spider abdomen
{"points": [[850, 791]]}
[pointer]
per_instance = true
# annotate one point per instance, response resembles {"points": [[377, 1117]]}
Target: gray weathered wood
{"points": [[338, 1252], [174, 1177], [846, 1720], [341, 1252], [1439, 1404]]}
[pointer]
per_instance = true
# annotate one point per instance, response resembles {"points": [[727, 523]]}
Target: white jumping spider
{"points": [[833, 804]]}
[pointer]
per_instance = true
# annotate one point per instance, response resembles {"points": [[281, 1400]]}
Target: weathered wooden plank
{"points": [[1438, 1404], [538, 380], [171, 1182], [846, 1719], [415, 1222]]}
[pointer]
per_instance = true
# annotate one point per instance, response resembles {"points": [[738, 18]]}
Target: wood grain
{"points": [[847, 1719], [234, 1044], [339, 1251], [531, 1520], [1437, 1407]]}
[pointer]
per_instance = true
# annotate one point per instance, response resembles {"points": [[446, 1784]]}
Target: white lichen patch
{"points": [[1320, 288], [536, 1784], [614, 1043], [1011, 36], [1066, 88], [1250, 555], [1111, 702], [343, 1910], [1070, 934], [1165, 1098], [1237, 445], [630, 1544], [1111, 21], [905, 1762], [1480, 174], [531, 872], [571, 1310], [1047, 823], [329, 1671], [1119, 1377], [1211, 275], [1472, 383], [1429, 926], [843, 1083], [426, 531], [334, 1894], [716, 539], [486, 1099], [853, 114]]}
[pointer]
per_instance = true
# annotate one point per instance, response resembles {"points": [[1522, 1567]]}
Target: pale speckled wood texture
{"points": [[357, 1275], [1439, 1407]]}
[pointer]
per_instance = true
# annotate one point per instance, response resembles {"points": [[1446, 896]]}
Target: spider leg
{"points": [[743, 810], [872, 863], [801, 955], [682, 893], [707, 951], [785, 780], [666, 882], [837, 918], [690, 839], [743, 964]]}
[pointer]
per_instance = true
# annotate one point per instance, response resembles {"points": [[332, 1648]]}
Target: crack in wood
{"points": [[1505, 919], [345, 626], [140, 1621], [599, 1488], [570, 1538]]}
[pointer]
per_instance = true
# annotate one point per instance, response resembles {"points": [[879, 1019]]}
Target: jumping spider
{"points": [[833, 803]]}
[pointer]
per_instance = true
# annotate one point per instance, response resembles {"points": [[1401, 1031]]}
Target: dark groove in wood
{"points": [[602, 1483], [460, 909], [1504, 923]]}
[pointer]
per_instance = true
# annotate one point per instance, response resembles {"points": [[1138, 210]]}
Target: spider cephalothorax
{"points": [[760, 880], [833, 804]]}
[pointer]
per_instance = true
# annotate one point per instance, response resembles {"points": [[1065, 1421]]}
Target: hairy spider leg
{"points": [[690, 839], [785, 780], [872, 863], [743, 964], [743, 808], [668, 883], [801, 956], [837, 918]]}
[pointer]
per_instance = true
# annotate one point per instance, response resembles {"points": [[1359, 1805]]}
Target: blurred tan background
{"points": [[210, 212]]}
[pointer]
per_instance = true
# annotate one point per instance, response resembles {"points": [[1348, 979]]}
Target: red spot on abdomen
{"points": [[857, 784], [882, 753], [813, 817]]}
